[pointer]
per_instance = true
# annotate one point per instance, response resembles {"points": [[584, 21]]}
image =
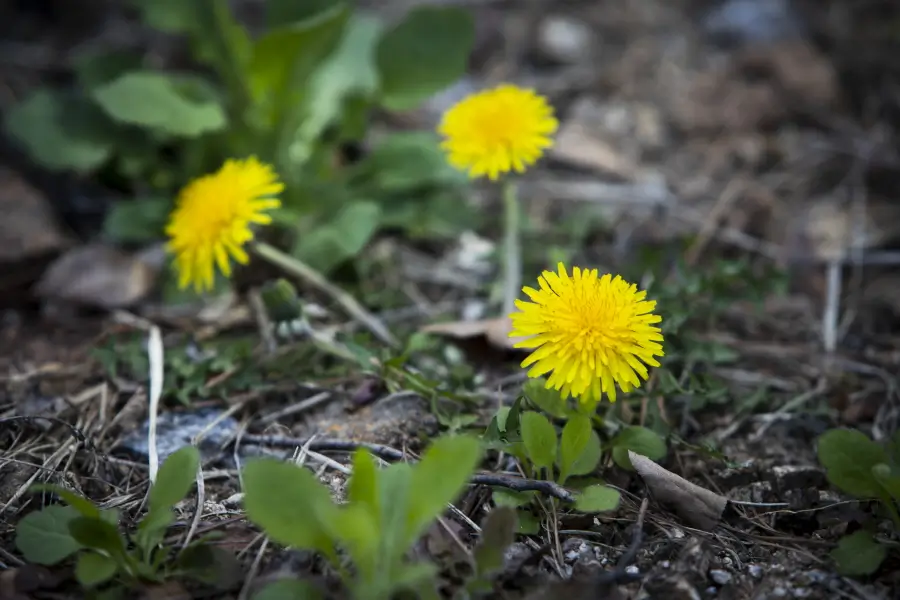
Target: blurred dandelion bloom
{"points": [[589, 332], [498, 130], [214, 217]]}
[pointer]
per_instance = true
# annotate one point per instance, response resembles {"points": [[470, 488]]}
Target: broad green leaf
{"points": [[61, 131], [414, 576], [79, 503], [363, 485], [175, 478], [576, 436], [349, 72], [406, 162], [171, 16], [152, 529], [178, 105], [96, 68], [438, 479], [597, 498], [394, 495], [92, 569], [357, 530], [138, 220], [43, 536], [289, 589], [639, 440], [292, 516], [97, 534], [504, 497], [888, 479], [848, 457], [423, 54], [285, 56], [858, 554], [340, 239], [497, 533], [587, 462], [539, 437], [548, 400]]}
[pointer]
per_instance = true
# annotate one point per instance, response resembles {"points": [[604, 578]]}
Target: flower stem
{"points": [[512, 252], [310, 276]]}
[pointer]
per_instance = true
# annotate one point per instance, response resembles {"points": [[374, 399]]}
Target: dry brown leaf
{"points": [[99, 276], [697, 506], [495, 331]]}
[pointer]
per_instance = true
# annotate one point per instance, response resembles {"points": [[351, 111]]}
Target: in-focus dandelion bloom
{"points": [[214, 217], [589, 332], [495, 131]]}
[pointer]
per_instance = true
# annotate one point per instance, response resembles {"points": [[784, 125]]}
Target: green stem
{"points": [[310, 276], [512, 253]]}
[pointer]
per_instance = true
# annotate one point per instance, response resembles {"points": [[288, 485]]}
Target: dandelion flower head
{"points": [[589, 332], [214, 217], [489, 133]]}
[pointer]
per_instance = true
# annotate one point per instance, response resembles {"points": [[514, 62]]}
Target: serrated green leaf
{"points": [[639, 440], [438, 479], [497, 533], [289, 589], [43, 536], [590, 457], [178, 105], [848, 457], [92, 569], [340, 239], [539, 437], [548, 400], [175, 478], [423, 54], [294, 515], [858, 554], [138, 220], [573, 443], [61, 131], [597, 498]]}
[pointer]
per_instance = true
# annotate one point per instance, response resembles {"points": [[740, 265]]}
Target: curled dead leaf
{"points": [[495, 331], [697, 506]]}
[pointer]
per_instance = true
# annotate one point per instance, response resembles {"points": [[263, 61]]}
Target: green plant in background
{"points": [[386, 512], [106, 557], [865, 469], [292, 96]]}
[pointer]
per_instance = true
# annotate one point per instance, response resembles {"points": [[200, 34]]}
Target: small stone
{"points": [[564, 40], [779, 592], [632, 570], [755, 571], [720, 577]]}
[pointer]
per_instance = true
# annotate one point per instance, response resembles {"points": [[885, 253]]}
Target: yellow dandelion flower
{"points": [[214, 217], [589, 332], [497, 130]]}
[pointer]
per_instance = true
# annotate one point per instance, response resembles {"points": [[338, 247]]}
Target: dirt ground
{"points": [[765, 131]]}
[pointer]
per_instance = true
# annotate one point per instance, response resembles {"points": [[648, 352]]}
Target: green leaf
{"points": [[138, 220], [539, 437], [597, 498], [356, 528], [423, 54], [175, 478], [858, 554], [349, 72], [96, 68], [848, 457], [414, 576], [589, 458], [888, 479], [84, 506], [285, 56], [498, 532], [504, 497], [43, 536], [171, 16], [394, 496], [340, 239], [152, 530], [92, 569], [548, 400], [281, 300], [576, 436], [293, 515], [289, 589], [61, 131], [406, 162], [438, 479], [639, 440], [363, 485], [211, 565], [97, 534], [178, 105]]}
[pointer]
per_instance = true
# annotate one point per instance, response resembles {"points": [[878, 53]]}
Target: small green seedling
{"points": [[386, 512], [104, 554], [863, 468]]}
